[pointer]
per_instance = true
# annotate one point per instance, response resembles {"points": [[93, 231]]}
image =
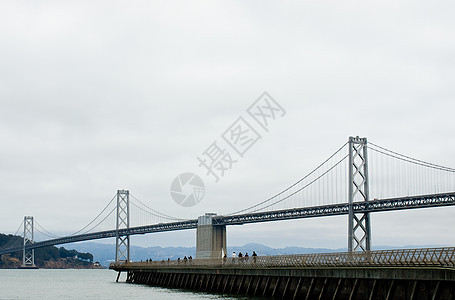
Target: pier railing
{"points": [[431, 257]]}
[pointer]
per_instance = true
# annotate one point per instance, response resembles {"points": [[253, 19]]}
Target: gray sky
{"points": [[97, 96]]}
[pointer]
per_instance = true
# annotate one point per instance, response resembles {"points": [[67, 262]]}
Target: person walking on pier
{"points": [[254, 255]]}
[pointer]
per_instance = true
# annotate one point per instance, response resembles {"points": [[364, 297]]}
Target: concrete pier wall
{"points": [[427, 273], [311, 283]]}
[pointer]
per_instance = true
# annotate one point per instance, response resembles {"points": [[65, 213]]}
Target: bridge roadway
{"points": [[423, 201]]}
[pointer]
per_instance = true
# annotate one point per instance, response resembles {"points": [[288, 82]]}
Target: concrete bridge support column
{"points": [[210, 239]]}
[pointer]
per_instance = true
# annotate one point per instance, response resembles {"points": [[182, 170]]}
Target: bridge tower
{"points": [[359, 231], [28, 255], [122, 240]]}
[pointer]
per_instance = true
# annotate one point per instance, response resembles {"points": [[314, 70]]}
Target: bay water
{"points": [[85, 284]]}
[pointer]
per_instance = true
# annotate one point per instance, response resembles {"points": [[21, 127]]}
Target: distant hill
{"points": [[105, 253], [47, 257]]}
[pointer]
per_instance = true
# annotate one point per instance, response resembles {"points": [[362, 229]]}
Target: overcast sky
{"points": [[97, 96]]}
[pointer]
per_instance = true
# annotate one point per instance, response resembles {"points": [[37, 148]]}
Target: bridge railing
{"points": [[434, 257]]}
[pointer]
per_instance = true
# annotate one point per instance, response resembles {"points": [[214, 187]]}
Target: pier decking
{"points": [[390, 274]]}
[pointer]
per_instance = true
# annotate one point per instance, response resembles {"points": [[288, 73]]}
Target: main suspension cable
{"points": [[287, 189], [77, 232], [304, 187], [409, 159], [110, 213], [14, 240], [49, 234], [413, 161], [154, 212]]}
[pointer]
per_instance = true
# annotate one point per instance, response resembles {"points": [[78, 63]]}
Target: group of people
{"points": [[240, 255], [185, 259], [190, 258]]}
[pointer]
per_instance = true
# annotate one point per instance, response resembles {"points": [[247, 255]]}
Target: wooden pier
{"points": [[395, 274]]}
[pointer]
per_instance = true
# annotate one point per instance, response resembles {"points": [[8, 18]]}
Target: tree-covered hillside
{"points": [[47, 257]]}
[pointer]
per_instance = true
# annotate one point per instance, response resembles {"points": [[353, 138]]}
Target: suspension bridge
{"points": [[358, 179]]}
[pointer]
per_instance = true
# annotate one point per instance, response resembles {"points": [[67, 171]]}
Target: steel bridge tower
{"points": [[28, 256], [122, 240], [359, 230]]}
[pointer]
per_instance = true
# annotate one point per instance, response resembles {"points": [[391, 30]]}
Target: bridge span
{"points": [[341, 185], [423, 201]]}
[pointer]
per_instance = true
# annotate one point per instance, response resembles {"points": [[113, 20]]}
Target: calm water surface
{"points": [[84, 284]]}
